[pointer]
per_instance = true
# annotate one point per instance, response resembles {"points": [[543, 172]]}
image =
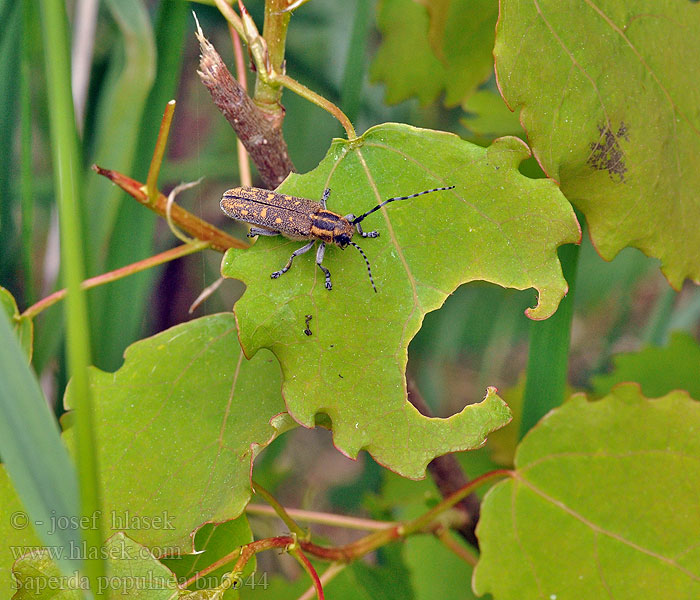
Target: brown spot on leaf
{"points": [[606, 154]]}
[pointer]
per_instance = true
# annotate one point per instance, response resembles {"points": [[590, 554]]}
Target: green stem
{"points": [[426, 522], [422, 522], [311, 96], [158, 152], [268, 93], [548, 358], [280, 510], [244, 172], [445, 536], [268, 55], [67, 176]]}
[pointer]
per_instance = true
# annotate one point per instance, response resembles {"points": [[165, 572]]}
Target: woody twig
{"points": [[262, 140]]}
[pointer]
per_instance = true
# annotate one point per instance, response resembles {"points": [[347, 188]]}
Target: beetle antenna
{"points": [[356, 220], [369, 270]]}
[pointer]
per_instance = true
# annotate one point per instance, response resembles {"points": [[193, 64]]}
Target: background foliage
{"points": [[603, 495]]}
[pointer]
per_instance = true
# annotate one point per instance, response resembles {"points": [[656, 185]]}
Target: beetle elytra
{"points": [[298, 218]]}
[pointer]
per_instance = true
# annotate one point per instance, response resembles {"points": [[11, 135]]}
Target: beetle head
{"points": [[343, 233]]}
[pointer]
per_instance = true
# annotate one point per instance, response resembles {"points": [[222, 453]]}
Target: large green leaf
{"points": [[496, 226], [177, 427], [657, 370], [443, 45], [603, 504], [610, 107]]}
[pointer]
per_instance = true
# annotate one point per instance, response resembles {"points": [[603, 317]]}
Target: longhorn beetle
{"points": [[297, 218]]}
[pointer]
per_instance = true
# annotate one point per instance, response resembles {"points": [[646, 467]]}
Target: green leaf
{"points": [[496, 226], [429, 46], [276, 586], [462, 35], [22, 326], [603, 504], [657, 370], [132, 572], [404, 26], [488, 116], [435, 571], [389, 579], [610, 107], [177, 427], [356, 581]]}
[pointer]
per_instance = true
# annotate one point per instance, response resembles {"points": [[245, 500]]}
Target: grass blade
{"points": [[67, 176], [32, 450], [548, 358]]}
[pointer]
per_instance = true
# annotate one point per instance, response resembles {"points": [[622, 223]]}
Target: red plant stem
{"points": [[309, 568], [241, 555], [136, 267], [349, 552], [425, 522], [185, 220]]}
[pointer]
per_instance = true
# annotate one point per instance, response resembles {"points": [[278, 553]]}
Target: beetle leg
{"points": [[324, 198], [319, 259], [366, 234], [286, 267], [259, 231]]}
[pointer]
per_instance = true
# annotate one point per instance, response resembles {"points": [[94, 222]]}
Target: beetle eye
{"points": [[342, 240]]}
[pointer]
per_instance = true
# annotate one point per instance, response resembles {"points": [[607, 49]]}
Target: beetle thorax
{"points": [[331, 228]]}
